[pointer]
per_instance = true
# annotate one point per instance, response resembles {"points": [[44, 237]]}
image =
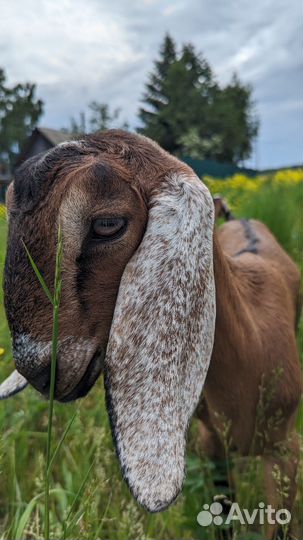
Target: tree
{"points": [[100, 118], [157, 97], [20, 111], [195, 146], [188, 113], [234, 115]]}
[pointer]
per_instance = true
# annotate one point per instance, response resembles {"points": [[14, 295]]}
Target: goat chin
{"points": [[12, 385]]}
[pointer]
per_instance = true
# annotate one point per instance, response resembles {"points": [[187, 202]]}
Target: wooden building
{"points": [[5, 179], [41, 140]]}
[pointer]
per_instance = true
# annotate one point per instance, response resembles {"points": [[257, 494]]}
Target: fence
{"points": [[223, 170], [216, 169]]}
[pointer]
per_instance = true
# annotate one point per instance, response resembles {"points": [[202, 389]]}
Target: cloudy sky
{"points": [[82, 50]]}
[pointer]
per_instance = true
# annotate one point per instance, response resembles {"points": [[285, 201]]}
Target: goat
{"points": [[157, 300]]}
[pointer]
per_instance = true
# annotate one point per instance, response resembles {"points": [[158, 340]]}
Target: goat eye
{"points": [[108, 228]]}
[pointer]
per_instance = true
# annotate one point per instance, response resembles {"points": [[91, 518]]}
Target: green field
{"points": [[87, 467]]}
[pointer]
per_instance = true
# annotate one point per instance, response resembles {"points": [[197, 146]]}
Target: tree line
{"points": [[183, 108]]}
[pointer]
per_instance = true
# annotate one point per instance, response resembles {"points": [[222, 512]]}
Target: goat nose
{"points": [[39, 379], [32, 360]]}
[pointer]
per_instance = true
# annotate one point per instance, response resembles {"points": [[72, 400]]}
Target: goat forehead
{"points": [[39, 175], [88, 184]]}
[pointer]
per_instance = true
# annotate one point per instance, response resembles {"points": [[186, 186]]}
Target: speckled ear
{"points": [[12, 385], [161, 340]]}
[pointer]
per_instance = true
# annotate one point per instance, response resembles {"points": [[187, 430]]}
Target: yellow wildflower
{"points": [[2, 211], [289, 176], [239, 184]]}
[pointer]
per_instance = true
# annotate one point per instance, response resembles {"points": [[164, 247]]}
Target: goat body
{"points": [[253, 385], [154, 302]]}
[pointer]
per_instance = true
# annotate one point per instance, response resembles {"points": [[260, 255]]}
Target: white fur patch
{"points": [[25, 347], [74, 354], [71, 143], [161, 340], [12, 385]]}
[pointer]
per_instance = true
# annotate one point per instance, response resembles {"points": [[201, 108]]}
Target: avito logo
{"points": [[211, 514]]}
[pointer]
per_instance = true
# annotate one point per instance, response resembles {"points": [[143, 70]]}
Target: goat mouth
{"points": [[88, 380]]}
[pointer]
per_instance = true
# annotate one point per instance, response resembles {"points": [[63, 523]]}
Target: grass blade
{"points": [[58, 448], [55, 334], [27, 513], [39, 276], [66, 526]]}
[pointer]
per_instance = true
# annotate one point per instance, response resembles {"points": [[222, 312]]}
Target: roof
{"points": [[5, 178], [55, 137], [51, 136]]}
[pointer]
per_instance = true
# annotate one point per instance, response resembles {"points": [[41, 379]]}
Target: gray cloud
{"points": [[77, 51]]}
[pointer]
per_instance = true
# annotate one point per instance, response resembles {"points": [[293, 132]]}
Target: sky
{"points": [[77, 51]]}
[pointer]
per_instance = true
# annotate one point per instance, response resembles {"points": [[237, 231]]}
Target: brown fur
{"points": [[255, 345], [256, 294]]}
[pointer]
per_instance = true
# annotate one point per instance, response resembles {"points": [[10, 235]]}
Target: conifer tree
{"points": [[188, 113]]}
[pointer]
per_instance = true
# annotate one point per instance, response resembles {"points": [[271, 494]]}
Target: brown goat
{"points": [[156, 299]]}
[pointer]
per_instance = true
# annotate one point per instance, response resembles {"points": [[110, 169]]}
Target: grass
{"points": [[87, 497], [55, 301]]}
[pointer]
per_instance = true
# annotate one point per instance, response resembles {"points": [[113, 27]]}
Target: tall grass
{"points": [[280, 207], [87, 497], [276, 200], [55, 301]]}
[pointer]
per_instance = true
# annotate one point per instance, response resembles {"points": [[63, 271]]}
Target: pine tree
{"points": [[157, 96], [234, 117], [187, 112]]}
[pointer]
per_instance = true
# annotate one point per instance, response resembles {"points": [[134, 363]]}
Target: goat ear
{"points": [[12, 385], [161, 340]]}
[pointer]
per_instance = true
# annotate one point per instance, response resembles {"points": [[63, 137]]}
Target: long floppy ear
{"points": [[161, 340], [12, 385]]}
